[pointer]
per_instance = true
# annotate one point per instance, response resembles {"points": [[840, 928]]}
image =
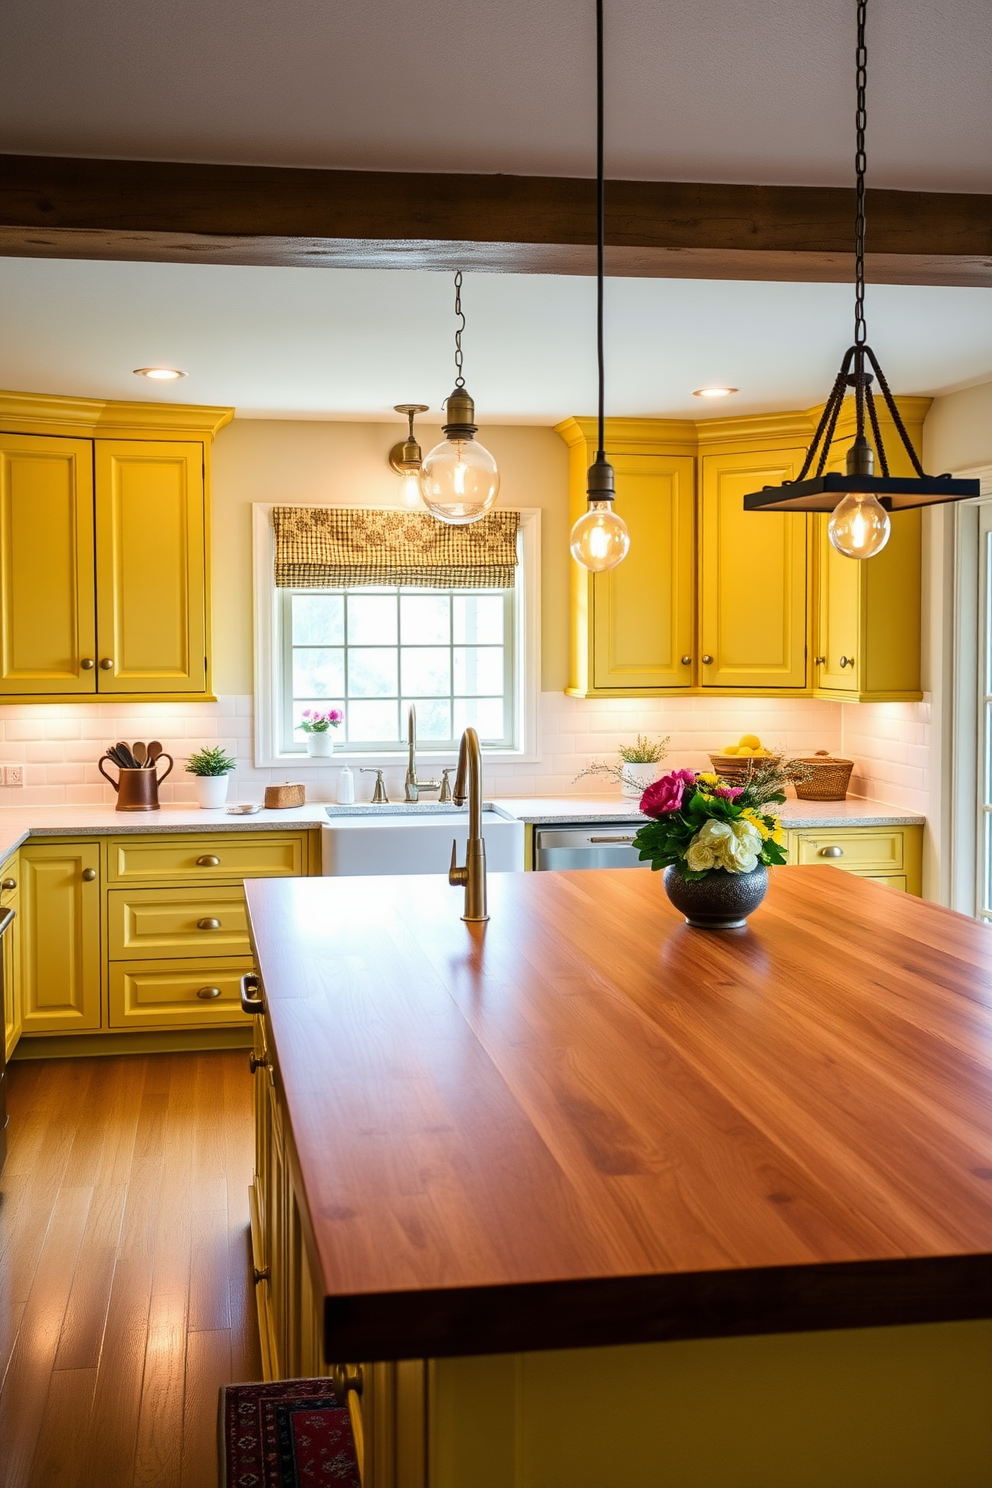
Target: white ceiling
{"points": [[349, 343], [724, 91]]}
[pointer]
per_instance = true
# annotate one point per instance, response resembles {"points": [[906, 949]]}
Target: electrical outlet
{"points": [[13, 774]]}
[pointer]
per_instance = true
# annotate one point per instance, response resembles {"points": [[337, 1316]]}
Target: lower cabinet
{"points": [[10, 898], [60, 936], [892, 856]]}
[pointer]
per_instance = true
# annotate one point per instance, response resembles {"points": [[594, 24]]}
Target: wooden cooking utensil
{"points": [[140, 752], [154, 750]]}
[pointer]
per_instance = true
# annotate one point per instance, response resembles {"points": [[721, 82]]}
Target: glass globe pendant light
{"points": [[459, 481], [600, 539], [860, 500]]}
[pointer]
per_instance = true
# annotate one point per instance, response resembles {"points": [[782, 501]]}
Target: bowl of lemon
{"points": [[738, 761]]}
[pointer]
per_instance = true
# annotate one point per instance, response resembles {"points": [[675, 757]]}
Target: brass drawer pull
{"points": [[208, 924], [208, 993], [87, 663], [257, 1062], [347, 1377], [89, 874], [208, 861], [8, 883], [251, 994], [831, 852]]}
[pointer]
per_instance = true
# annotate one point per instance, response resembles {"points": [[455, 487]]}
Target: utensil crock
{"points": [[137, 790]]}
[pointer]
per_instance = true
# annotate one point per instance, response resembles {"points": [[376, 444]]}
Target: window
{"points": [[465, 657], [374, 651]]}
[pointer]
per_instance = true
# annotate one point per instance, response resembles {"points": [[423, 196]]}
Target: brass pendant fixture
{"points": [[459, 481], [600, 539], [860, 500], [406, 458]]}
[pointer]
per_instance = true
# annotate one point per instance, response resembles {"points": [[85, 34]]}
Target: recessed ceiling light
{"points": [[713, 392], [159, 374]]}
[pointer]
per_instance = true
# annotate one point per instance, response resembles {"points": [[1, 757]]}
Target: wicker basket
{"points": [[828, 780], [741, 767]]}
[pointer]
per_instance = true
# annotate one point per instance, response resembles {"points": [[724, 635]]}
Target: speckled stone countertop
{"points": [[565, 810]]}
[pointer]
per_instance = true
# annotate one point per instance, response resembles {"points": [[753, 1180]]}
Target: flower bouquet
{"points": [[317, 723], [715, 841]]}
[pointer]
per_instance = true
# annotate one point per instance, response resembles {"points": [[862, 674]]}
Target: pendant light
{"points": [[860, 500], [600, 538], [459, 480]]}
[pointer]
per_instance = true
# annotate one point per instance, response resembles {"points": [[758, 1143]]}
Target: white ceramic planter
{"points": [[211, 790], [637, 778], [319, 746]]}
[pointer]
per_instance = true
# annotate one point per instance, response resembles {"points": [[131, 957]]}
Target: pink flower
{"points": [[665, 795], [728, 792]]}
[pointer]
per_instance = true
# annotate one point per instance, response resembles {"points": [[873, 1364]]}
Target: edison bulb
{"points": [[459, 481], [410, 491], [859, 527], [600, 538]]}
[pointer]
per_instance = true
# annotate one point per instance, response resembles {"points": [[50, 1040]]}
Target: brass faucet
{"points": [[473, 875], [411, 785]]}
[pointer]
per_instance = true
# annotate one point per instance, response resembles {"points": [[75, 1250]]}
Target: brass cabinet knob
{"points": [[707, 661], [261, 1273], [8, 883], [208, 993], [87, 663], [686, 660], [208, 861], [257, 1062], [847, 661], [819, 661], [107, 664], [831, 852], [208, 924], [347, 1377], [89, 874]]}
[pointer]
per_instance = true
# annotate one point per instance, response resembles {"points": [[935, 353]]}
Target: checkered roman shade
{"points": [[334, 547]]}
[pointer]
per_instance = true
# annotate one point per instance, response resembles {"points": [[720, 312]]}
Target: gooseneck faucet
{"points": [[473, 875], [411, 785]]}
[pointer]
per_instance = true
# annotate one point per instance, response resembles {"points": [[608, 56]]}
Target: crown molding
{"points": [[51, 413]]}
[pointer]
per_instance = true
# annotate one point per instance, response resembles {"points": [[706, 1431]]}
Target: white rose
{"points": [[742, 847], [699, 857]]}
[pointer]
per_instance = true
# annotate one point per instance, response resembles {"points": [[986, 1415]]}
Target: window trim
{"points": [[268, 654]]}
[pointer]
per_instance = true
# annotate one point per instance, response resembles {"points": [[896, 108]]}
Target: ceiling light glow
{"points": [[713, 392], [159, 374]]}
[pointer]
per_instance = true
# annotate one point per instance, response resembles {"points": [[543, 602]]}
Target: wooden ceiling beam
{"points": [[172, 212]]}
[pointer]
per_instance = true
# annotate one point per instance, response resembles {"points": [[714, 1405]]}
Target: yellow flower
{"points": [[757, 821], [709, 778]]}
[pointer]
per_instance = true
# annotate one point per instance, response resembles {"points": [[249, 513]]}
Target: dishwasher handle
{"points": [[611, 839]]}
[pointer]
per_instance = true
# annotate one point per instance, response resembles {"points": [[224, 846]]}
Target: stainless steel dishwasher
{"points": [[595, 844]]}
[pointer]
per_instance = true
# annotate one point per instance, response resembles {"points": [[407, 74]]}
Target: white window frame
{"points": [[269, 651]]}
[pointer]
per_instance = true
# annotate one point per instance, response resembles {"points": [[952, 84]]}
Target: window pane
{"points": [[372, 672], [433, 719], [485, 715], [318, 619], [479, 618], [318, 672], [372, 722], [426, 671], [478, 669], [425, 620], [372, 620]]}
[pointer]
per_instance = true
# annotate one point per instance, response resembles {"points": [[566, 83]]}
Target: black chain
{"points": [[600, 227], [459, 379], [860, 167]]}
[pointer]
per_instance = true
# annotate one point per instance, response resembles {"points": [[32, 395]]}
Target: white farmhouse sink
{"points": [[389, 839]]}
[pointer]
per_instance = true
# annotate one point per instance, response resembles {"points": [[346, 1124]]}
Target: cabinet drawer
{"points": [[887, 880], [202, 859], [164, 994], [143, 923], [871, 850]]}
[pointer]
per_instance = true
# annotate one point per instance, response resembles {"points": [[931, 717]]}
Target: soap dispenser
{"points": [[346, 786]]}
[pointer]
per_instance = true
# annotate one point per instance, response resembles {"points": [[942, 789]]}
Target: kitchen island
{"points": [[631, 1203]]}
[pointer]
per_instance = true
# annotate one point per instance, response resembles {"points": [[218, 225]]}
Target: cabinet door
{"points": [[46, 565], [12, 1001], [753, 599], [838, 636], [60, 936], [150, 564], [643, 608]]}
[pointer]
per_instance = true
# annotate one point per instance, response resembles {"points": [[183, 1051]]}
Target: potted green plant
{"points": [[210, 769], [637, 767]]}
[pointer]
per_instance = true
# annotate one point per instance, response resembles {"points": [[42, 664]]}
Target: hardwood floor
{"points": [[125, 1277]]}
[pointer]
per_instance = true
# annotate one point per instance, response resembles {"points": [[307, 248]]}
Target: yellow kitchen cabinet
{"points": [[104, 567], [12, 998], [887, 855], [60, 936], [753, 599], [47, 615], [150, 567]]}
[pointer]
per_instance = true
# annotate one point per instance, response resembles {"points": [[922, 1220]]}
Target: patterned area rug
{"points": [[290, 1434]]}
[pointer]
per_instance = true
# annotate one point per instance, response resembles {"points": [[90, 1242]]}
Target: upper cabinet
{"points": [[104, 562], [714, 599]]}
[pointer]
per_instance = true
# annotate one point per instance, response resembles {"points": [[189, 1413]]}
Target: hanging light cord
{"points": [[459, 358], [600, 228], [860, 167]]}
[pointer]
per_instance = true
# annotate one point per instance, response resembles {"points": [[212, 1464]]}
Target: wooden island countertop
{"points": [[585, 1123]]}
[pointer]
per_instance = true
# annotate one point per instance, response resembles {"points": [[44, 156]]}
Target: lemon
{"points": [[730, 749], [751, 740], [744, 751], [761, 754]]}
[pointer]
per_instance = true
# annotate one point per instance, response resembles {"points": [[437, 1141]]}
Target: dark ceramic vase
{"points": [[720, 901]]}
